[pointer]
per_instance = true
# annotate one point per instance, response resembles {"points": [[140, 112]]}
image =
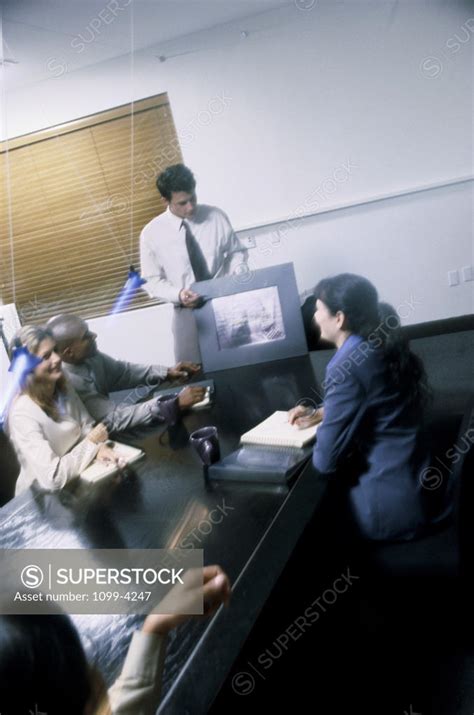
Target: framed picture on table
{"points": [[250, 318]]}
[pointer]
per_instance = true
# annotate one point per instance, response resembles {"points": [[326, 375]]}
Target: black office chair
{"points": [[417, 596], [422, 590], [9, 469]]}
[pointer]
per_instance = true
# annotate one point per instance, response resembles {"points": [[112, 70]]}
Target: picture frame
{"points": [[250, 318]]}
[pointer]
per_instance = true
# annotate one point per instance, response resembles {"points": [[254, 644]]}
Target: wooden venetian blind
{"points": [[73, 200]]}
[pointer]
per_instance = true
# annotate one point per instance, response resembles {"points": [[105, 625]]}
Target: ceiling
{"points": [[40, 35]]}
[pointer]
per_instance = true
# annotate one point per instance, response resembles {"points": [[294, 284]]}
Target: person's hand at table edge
{"points": [[216, 591]]}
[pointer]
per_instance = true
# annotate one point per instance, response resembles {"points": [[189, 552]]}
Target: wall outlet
{"points": [[467, 273], [453, 278], [248, 241]]}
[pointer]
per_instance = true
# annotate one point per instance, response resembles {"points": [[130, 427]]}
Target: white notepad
{"points": [[277, 431], [98, 470]]}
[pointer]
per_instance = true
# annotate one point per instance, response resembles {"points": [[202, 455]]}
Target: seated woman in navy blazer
{"points": [[372, 412]]}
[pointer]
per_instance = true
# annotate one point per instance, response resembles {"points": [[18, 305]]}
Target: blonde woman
{"points": [[53, 434]]}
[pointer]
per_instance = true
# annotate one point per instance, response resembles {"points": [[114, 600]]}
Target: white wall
{"points": [[139, 336], [269, 122], [406, 246]]}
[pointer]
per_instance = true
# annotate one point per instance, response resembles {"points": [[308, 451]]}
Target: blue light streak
{"points": [[23, 362], [133, 283]]}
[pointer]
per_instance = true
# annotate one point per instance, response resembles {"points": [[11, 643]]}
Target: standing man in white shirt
{"points": [[188, 242]]}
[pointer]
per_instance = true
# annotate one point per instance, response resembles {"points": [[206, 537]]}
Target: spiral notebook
{"points": [[278, 432], [98, 470]]}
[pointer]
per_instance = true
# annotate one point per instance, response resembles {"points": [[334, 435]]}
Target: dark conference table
{"points": [[250, 529]]}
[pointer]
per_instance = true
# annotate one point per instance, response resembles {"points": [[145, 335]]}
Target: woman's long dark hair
{"points": [[43, 667], [379, 324]]}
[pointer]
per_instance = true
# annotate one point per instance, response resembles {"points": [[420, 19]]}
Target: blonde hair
{"points": [[31, 337]]}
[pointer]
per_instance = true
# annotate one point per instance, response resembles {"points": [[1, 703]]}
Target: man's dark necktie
{"points": [[196, 256]]}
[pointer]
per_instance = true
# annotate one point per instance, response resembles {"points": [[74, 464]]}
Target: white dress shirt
{"points": [[164, 257]]}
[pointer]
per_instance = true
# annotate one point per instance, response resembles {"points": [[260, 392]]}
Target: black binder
{"points": [[252, 463]]}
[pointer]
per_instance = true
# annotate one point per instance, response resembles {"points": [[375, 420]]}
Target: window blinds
{"points": [[73, 200]]}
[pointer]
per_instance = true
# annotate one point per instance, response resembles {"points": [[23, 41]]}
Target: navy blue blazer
{"points": [[363, 412]]}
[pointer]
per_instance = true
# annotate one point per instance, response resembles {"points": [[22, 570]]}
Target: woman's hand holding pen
{"points": [[99, 435], [107, 455]]}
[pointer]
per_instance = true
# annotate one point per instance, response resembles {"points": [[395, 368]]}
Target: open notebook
{"points": [[98, 470], [278, 432]]}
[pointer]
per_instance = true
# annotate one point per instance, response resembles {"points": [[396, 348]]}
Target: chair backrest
{"points": [[462, 456], [9, 469]]}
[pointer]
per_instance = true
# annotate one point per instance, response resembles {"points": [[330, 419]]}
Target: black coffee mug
{"points": [[206, 443], [169, 407]]}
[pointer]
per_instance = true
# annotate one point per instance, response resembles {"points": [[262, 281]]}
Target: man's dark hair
{"points": [[175, 178]]}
